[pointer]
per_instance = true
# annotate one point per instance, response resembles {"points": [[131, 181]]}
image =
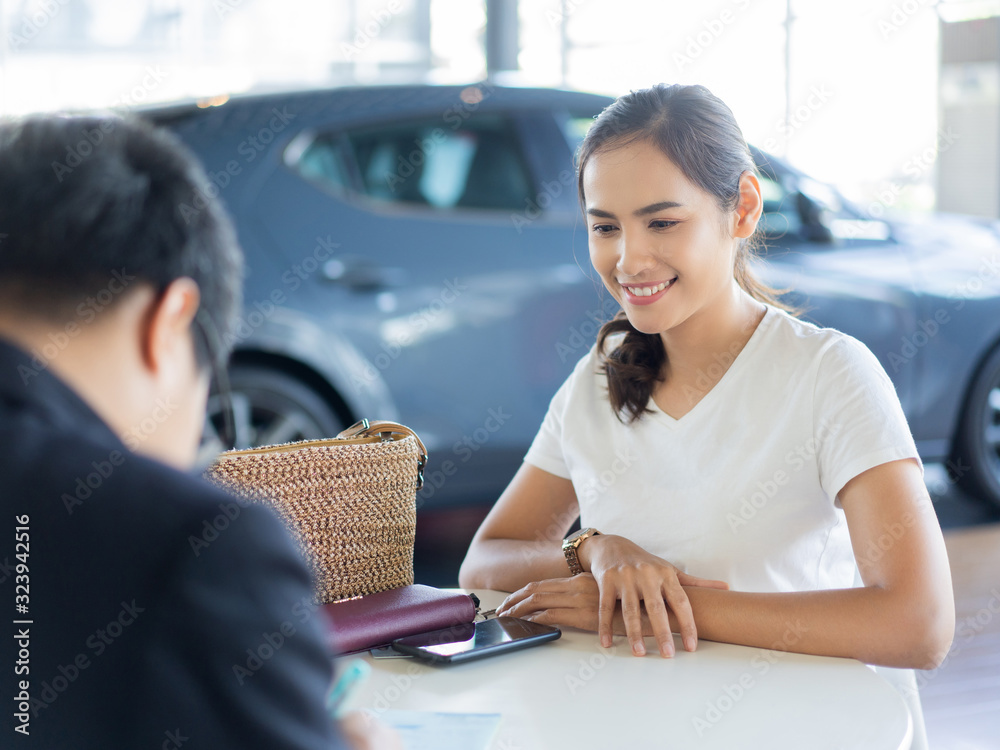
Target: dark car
{"points": [[416, 253]]}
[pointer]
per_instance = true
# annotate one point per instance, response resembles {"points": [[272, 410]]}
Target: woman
{"points": [[733, 467]]}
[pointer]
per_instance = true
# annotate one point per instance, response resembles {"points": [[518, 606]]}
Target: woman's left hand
{"points": [[628, 590]]}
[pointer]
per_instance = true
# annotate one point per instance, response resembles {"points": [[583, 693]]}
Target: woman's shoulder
{"points": [[590, 367], [811, 342], [587, 379], [827, 357]]}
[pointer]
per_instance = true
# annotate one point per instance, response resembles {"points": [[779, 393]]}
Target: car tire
{"points": [[975, 461], [270, 406]]}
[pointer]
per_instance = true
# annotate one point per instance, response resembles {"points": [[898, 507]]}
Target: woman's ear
{"points": [[750, 206]]}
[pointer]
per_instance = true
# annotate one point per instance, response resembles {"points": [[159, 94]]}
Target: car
{"points": [[417, 253]]}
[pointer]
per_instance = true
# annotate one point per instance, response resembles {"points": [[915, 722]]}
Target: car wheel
{"points": [[271, 407], [976, 460]]}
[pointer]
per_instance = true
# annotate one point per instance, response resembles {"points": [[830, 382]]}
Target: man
{"points": [[150, 610]]}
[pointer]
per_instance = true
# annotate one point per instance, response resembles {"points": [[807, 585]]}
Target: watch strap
{"points": [[572, 559], [570, 547]]}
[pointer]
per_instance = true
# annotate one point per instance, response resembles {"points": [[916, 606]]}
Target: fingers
{"points": [[521, 595], [606, 607], [574, 592], [572, 617], [514, 599], [705, 583], [632, 614], [656, 611], [590, 603], [677, 600], [539, 602]]}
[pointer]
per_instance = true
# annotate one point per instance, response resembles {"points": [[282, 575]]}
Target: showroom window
{"points": [[477, 164]]}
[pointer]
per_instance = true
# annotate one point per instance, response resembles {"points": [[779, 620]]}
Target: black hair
{"points": [[87, 202], [697, 132]]}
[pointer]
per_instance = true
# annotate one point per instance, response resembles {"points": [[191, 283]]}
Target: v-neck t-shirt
{"points": [[743, 487]]}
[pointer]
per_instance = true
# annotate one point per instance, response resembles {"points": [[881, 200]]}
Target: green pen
{"points": [[351, 677]]}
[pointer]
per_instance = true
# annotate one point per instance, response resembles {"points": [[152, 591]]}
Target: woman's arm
{"points": [[520, 541], [904, 616]]}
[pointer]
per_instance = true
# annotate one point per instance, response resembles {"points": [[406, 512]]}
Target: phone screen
{"points": [[474, 640]]}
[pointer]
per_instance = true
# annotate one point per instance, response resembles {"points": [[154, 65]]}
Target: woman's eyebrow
{"points": [[652, 208], [601, 213]]}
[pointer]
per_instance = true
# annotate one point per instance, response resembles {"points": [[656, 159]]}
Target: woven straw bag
{"points": [[349, 501]]}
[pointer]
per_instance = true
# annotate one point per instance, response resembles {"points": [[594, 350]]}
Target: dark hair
{"points": [[698, 133], [89, 203]]}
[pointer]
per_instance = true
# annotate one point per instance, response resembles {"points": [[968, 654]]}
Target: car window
{"points": [[323, 162], [785, 198], [788, 200], [476, 165], [781, 211]]}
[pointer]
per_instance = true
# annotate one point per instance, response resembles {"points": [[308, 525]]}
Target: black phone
{"points": [[475, 640]]}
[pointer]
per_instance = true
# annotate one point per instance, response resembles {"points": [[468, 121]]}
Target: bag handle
{"points": [[388, 431]]}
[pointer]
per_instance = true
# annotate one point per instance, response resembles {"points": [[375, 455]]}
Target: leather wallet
{"points": [[378, 619]]}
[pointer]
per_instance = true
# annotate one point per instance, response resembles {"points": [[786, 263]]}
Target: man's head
{"points": [[118, 271]]}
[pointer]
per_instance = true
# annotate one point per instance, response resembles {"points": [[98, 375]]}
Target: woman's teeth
{"points": [[648, 291]]}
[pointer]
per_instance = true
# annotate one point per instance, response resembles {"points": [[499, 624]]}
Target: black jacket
{"points": [[160, 612]]}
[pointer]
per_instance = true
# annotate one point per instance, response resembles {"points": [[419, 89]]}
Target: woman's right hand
{"points": [[625, 571]]}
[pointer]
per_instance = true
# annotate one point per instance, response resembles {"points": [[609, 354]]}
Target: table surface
{"points": [[573, 693]]}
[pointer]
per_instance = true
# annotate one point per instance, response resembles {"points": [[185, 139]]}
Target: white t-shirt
{"points": [[743, 487]]}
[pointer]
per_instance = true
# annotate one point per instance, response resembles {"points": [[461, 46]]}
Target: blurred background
{"points": [[400, 172], [801, 75]]}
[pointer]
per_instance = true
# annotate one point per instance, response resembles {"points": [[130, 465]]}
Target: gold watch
{"points": [[570, 545]]}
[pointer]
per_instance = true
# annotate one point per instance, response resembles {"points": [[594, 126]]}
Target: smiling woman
{"points": [[766, 457], [693, 204]]}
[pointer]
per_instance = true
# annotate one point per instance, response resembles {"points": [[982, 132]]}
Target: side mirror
{"points": [[816, 220]]}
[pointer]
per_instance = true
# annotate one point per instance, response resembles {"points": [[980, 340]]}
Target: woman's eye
{"points": [[662, 224], [604, 228]]}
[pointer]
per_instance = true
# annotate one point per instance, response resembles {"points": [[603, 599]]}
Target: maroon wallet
{"points": [[378, 619]]}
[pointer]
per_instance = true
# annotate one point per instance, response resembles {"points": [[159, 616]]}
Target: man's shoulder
{"points": [[107, 478], [84, 493]]}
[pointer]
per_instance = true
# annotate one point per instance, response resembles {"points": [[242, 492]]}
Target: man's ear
{"points": [[750, 206], [167, 335]]}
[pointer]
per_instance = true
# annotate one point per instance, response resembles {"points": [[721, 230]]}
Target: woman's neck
{"points": [[703, 347]]}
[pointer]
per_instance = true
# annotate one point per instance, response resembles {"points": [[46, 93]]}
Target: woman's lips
{"points": [[646, 294]]}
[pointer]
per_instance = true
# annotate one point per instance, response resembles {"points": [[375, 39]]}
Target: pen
{"points": [[351, 677]]}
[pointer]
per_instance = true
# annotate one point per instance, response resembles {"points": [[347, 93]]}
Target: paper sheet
{"points": [[430, 730]]}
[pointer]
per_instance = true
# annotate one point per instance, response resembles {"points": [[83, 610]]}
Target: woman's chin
{"points": [[650, 324]]}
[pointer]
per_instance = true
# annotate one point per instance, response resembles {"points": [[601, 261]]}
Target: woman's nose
{"points": [[634, 257]]}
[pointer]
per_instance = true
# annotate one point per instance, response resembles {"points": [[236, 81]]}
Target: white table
{"points": [[572, 693]]}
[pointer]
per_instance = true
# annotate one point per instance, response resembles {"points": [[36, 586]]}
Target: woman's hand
{"points": [[625, 571], [571, 601]]}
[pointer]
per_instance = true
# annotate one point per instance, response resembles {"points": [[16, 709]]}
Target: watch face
{"points": [[577, 534]]}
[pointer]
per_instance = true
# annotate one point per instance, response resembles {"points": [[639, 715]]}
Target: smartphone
{"points": [[475, 640]]}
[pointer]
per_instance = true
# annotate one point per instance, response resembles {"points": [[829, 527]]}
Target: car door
{"points": [[442, 250]]}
